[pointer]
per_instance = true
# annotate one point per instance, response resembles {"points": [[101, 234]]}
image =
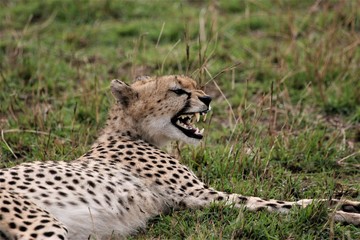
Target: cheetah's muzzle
{"points": [[186, 123]]}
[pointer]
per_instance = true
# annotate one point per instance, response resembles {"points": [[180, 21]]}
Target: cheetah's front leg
{"points": [[344, 210]]}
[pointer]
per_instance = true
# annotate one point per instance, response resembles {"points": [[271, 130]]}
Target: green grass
{"points": [[285, 124]]}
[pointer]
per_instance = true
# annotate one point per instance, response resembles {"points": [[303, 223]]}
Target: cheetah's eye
{"points": [[179, 91]]}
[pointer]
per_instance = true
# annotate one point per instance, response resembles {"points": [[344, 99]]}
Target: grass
{"points": [[283, 75]]}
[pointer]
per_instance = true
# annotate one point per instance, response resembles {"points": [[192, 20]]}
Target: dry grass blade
{"points": [[30, 131], [7, 145]]}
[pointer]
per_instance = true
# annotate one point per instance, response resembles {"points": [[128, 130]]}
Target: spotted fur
{"points": [[124, 179]]}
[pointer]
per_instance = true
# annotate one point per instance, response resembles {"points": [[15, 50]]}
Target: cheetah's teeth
{"points": [[197, 115], [201, 131], [185, 116], [204, 118]]}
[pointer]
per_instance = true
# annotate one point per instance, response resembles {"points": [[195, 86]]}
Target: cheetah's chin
{"points": [[186, 123]]}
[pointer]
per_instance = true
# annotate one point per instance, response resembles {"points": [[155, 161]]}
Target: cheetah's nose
{"points": [[205, 99]]}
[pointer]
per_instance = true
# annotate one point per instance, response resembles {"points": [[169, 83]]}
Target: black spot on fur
{"points": [[48, 234], [70, 187], [110, 189], [12, 225], [242, 199], [273, 205], [91, 184], [142, 160], [16, 209], [351, 208], [83, 200], [287, 206], [38, 227], [4, 209]]}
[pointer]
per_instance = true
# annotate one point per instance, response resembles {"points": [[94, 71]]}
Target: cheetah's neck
{"points": [[118, 124]]}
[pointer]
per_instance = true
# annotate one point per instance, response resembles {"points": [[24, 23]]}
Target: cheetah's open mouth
{"points": [[186, 123]]}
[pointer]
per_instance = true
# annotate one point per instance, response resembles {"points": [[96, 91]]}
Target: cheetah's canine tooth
{"points": [[197, 115]]}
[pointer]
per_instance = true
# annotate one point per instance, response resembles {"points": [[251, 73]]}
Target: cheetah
{"points": [[125, 178]]}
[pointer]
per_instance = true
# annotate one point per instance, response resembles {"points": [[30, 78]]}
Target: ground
{"points": [[283, 75]]}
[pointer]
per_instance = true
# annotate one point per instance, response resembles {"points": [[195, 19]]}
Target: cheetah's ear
{"points": [[122, 92]]}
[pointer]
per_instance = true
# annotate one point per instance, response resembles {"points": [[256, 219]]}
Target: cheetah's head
{"points": [[162, 109]]}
